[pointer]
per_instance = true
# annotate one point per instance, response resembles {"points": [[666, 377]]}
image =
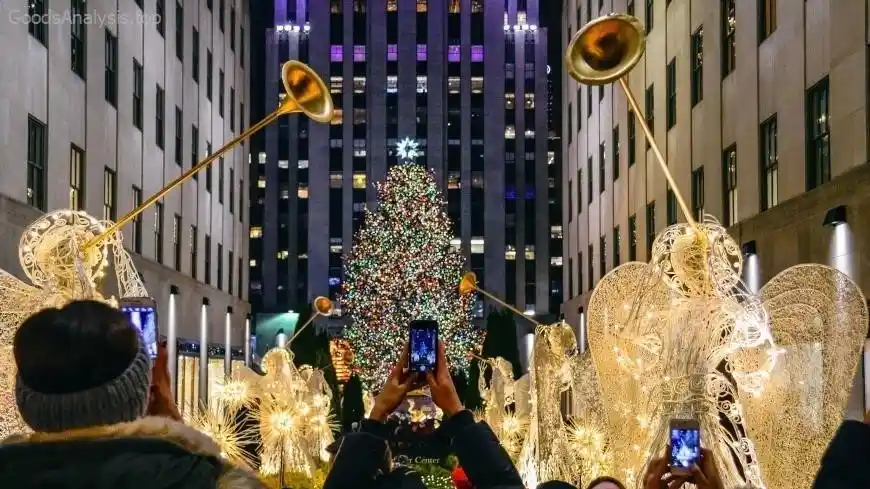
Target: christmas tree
{"points": [[402, 268]]}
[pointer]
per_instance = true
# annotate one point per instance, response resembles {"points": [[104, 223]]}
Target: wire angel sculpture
{"points": [[60, 270], [683, 337], [500, 407], [589, 438]]}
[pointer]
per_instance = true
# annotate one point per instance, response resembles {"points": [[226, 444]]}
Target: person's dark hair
{"points": [[556, 485], [605, 479], [82, 345]]}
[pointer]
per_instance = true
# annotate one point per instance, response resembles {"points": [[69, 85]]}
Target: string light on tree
{"points": [[409, 150], [402, 268]]}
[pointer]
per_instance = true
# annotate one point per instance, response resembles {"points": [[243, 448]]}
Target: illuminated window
{"points": [[521, 17], [252, 263], [303, 164], [422, 84], [335, 179], [336, 53], [359, 148], [392, 52], [421, 5], [476, 6], [256, 232], [510, 252], [509, 100], [261, 158], [392, 84], [530, 252], [285, 193], [302, 191], [392, 5], [453, 53], [359, 53], [283, 164], [476, 54], [477, 179], [454, 7], [359, 84], [455, 244], [336, 84], [422, 52], [476, 84], [335, 248], [510, 132], [529, 134], [261, 182], [453, 84], [477, 245], [555, 261], [283, 254], [337, 118], [359, 180], [359, 116], [551, 157], [453, 180], [530, 100], [556, 232]]}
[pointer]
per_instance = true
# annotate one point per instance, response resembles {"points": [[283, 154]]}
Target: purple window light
{"points": [[453, 54], [392, 52], [359, 53], [336, 52], [422, 52], [476, 54]]}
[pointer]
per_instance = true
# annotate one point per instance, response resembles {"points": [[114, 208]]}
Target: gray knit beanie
{"points": [[122, 399]]}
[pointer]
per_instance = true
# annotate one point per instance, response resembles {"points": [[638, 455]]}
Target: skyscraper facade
{"points": [[466, 80], [100, 106]]}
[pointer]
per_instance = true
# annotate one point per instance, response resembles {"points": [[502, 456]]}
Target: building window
{"points": [[36, 162], [37, 9], [818, 135], [529, 100], [111, 77], [194, 62], [78, 36], [632, 138], [697, 66], [650, 227], [672, 207], [76, 178], [650, 115], [194, 238], [221, 181], [766, 18], [231, 274], [729, 184], [590, 267], [158, 232], [698, 193], [176, 241], [160, 16], [729, 40], [179, 32], [769, 164], [615, 145], [649, 16], [160, 118], [672, 93], [422, 52], [589, 180], [233, 29], [138, 93], [137, 221], [510, 132], [221, 80], [194, 147], [602, 255], [209, 78], [632, 238], [617, 243], [220, 266], [602, 166], [179, 135], [221, 14], [110, 194], [359, 180]]}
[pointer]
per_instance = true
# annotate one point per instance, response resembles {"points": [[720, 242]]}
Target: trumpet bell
{"points": [[323, 306], [605, 49], [306, 92], [468, 284]]}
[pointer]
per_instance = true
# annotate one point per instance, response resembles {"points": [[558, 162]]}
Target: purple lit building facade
{"points": [[466, 79]]}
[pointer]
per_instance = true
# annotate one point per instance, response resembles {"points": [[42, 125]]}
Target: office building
{"points": [[409, 69], [100, 106], [762, 116]]}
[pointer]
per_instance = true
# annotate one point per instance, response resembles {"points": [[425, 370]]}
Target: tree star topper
{"points": [[409, 149]]}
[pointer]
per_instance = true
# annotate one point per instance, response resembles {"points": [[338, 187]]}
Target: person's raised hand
{"points": [[395, 389], [160, 400], [706, 475], [658, 474], [441, 385]]}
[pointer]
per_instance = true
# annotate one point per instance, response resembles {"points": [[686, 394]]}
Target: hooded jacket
{"points": [[149, 453], [844, 465]]}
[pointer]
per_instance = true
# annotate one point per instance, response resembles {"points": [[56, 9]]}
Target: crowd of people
{"points": [[103, 417]]}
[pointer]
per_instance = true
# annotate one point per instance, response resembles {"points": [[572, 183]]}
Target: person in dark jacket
{"points": [[364, 458], [844, 465], [84, 385]]}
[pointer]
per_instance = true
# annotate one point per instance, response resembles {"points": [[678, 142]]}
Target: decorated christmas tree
{"points": [[402, 268]]}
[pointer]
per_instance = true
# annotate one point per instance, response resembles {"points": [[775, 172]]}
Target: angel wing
{"points": [[819, 317], [18, 300]]}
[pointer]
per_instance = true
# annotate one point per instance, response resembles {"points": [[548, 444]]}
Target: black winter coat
{"points": [[846, 463], [363, 460], [151, 453]]}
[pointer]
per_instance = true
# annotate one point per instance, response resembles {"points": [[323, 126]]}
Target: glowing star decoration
{"points": [[409, 150], [401, 268]]}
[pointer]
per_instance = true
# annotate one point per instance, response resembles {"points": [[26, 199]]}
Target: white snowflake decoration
{"points": [[408, 149]]}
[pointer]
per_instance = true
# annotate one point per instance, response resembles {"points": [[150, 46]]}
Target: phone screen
{"points": [[685, 447], [423, 346], [144, 318]]}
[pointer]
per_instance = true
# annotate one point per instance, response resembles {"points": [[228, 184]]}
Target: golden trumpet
{"points": [[322, 307], [468, 285], [604, 51], [305, 93]]}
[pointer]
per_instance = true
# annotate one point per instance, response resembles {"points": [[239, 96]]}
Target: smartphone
{"points": [[423, 346], [685, 445], [142, 314]]}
